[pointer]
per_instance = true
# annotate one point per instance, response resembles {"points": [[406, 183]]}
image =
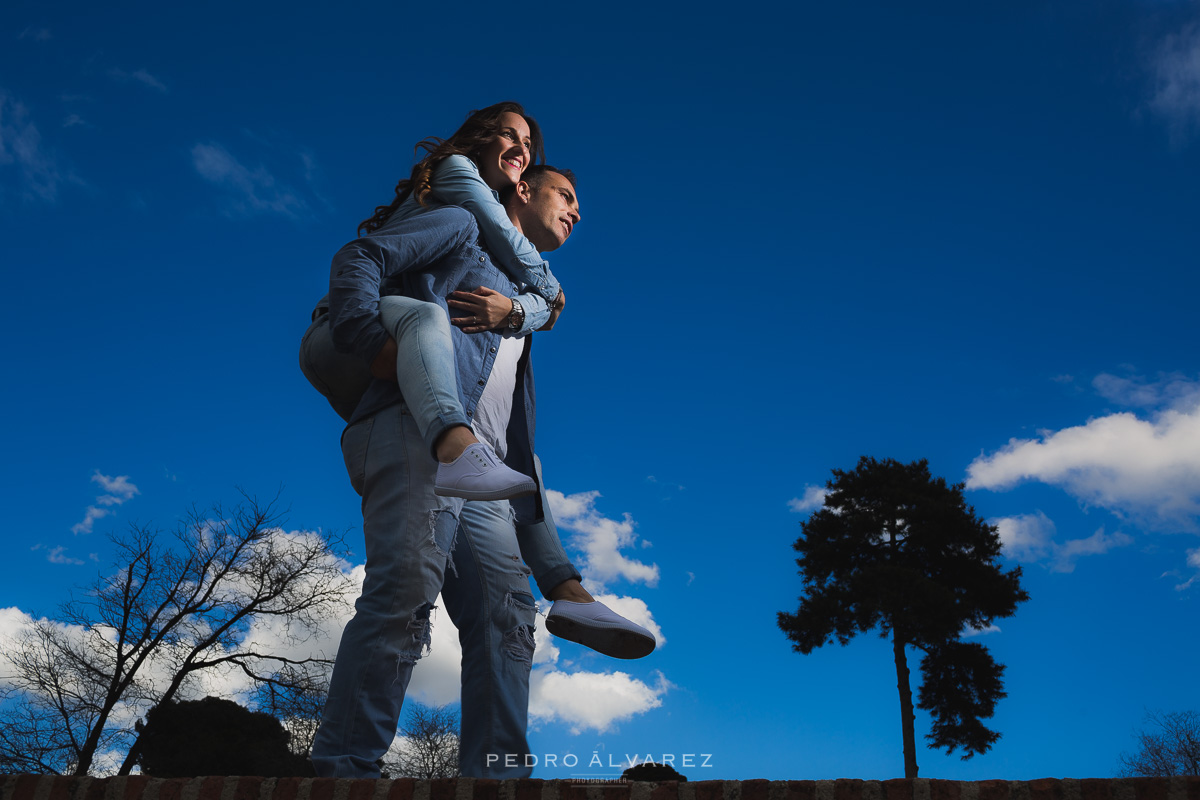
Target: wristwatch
{"points": [[517, 317]]}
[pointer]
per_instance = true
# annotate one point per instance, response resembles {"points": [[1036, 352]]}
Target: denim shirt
{"points": [[426, 257], [456, 182]]}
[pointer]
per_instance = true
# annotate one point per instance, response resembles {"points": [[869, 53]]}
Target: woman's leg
{"points": [[425, 367], [426, 374]]}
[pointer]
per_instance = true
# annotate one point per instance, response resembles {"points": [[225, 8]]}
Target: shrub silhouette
{"points": [[215, 737], [649, 771]]}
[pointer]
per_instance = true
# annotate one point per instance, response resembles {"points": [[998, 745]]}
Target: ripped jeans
{"points": [[418, 544]]}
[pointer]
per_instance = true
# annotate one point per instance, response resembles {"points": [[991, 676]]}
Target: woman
{"points": [[487, 155]]}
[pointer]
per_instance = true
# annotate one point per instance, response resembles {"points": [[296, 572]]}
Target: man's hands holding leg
{"points": [[484, 309]]}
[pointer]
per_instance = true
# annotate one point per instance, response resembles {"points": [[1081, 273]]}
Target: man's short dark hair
{"points": [[535, 176]]}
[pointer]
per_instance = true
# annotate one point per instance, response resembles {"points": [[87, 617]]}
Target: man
{"points": [[418, 543]]}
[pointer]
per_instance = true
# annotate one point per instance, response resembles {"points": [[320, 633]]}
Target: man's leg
{"points": [[488, 597], [408, 533], [575, 615]]}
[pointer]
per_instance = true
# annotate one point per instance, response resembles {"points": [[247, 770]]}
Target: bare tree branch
{"points": [[173, 607]]}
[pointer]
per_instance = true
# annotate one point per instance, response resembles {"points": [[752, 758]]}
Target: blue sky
{"points": [[809, 232]]}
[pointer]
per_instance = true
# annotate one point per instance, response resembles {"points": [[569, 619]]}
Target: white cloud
{"points": [[1031, 538], [600, 539], [592, 700], [1147, 469], [38, 173], [1096, 544], [252, 191], [138, 76], [1026, 537], [35, 34], [813, 497], [90, 517], [55, 556], [1174, 390], [1193, 560], [1176, 68], [117, 491], [969, 631]]}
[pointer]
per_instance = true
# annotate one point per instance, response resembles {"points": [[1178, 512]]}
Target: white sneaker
{"points": [[478, 475], [597, 626]]}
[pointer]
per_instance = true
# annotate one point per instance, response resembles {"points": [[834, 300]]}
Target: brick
{"points": [[1095, 789], [1150, 788], [945, 790], [210, 788], [94, 790], [361, 789], [801, 790], [171, 788], [244, 788], [1193, 788], [135, 787], [321, 789], [1046, 789], [847, 789], [993, 790], [669, 790], [898, 789], [756, 789], [709, 790], [26, 786], [61, 788], [285, 788], [526, 789], [402, 789]]}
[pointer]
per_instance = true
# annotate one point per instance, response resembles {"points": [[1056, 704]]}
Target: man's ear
{"points": [[524, 193]]}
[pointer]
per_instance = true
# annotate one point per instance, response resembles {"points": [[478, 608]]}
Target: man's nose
{"points": [[574, 215]]}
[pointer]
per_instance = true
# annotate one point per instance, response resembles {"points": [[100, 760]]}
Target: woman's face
{"points": [[502, 160]]}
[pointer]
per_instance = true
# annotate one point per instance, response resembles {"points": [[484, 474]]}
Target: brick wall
{"points": [[53, 787]]}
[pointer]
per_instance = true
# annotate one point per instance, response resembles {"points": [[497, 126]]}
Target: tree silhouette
{"points": [[897, 550], [1169, 746], [428, 744]]}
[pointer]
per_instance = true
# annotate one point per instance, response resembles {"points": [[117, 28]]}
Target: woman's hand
{"points": [[556, 308], [483, 309]]}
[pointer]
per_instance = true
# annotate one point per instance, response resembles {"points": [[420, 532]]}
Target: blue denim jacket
{"points": [[426, 257], [456, 182]]}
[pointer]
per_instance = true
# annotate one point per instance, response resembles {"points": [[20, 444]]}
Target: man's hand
{"points": [[556, 308], [384, 365], [484, 309]]}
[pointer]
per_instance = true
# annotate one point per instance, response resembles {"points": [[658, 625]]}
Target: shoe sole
{"points": [[612, 642], [508, 493]]}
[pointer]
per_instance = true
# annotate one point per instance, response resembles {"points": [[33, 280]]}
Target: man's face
{"points": [[552, 212]]}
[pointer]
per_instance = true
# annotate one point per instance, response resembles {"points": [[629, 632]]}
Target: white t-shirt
{"points": [[495, 404]]}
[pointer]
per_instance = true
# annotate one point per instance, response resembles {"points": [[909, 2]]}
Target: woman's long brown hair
{"points": [[481, 127]]}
